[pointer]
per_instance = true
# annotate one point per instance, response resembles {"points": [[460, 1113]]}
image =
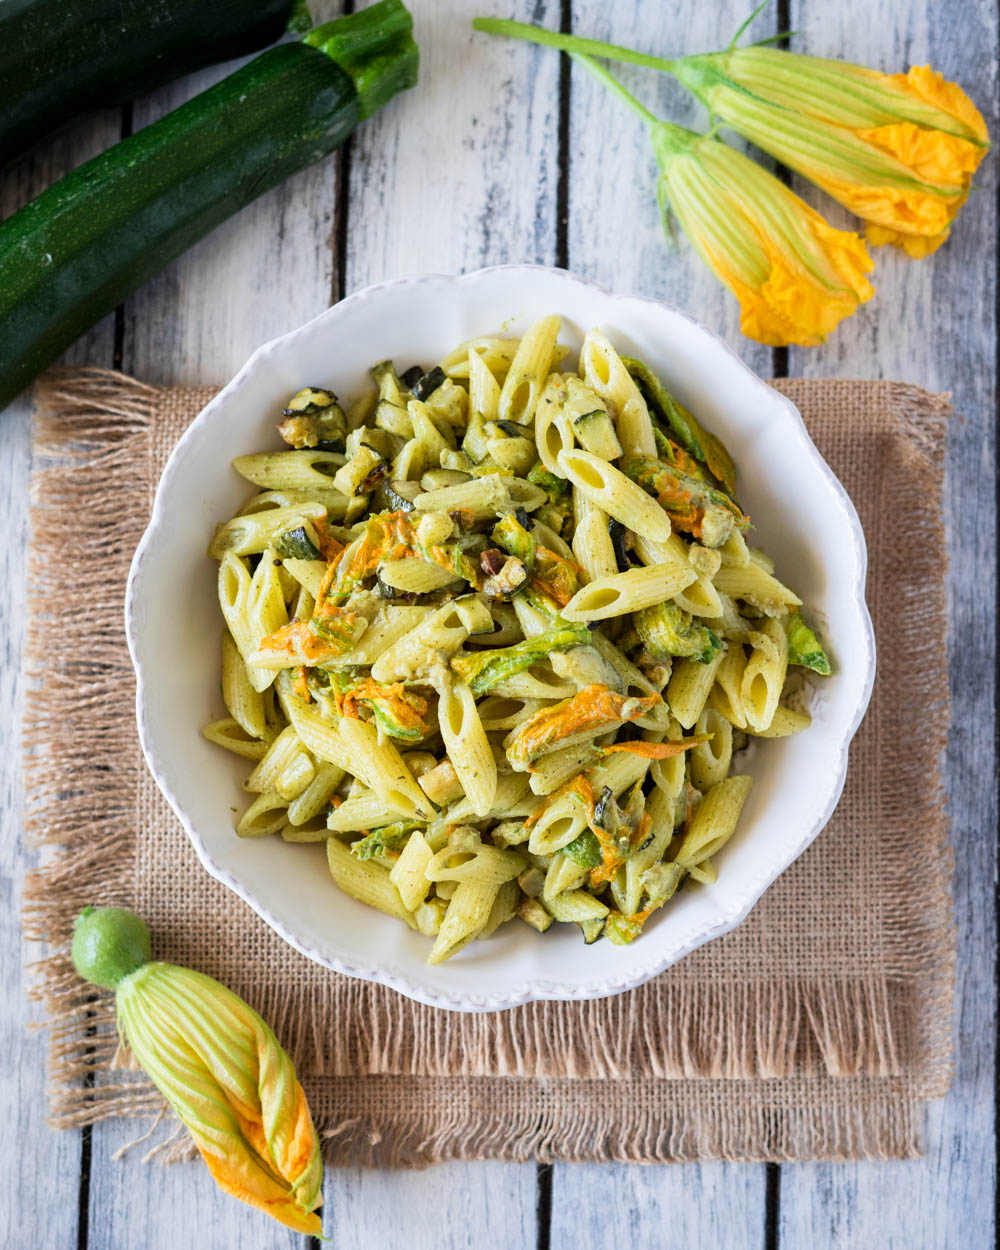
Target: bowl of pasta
{"points": [[543, 637]]}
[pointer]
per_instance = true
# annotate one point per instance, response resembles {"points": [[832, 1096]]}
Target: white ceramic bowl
{"points": [[804, 520]]}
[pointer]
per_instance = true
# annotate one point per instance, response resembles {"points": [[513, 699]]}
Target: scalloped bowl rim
{"points": [[534, 989]]}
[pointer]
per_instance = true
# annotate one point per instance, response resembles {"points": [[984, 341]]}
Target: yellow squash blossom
{"points": [[218, 1065], [796, 277], [898, 150]]}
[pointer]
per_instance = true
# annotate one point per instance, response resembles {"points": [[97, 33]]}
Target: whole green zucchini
{"points": [[77, 251], [61, 58]]}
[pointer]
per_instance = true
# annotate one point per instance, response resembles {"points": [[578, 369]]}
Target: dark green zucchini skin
{"points": [[61, 58], [73, 254]]}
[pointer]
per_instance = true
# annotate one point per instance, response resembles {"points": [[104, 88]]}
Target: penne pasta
{"points": [[244, 702], [409, 873], [553, 428], [621, 593], [714, 822], [592, 546], [689, 687], [602, 369], [764, 675], [709, 761], [382, 765], [366, 881], [467, 746], [609, 489], [484, 390], [528, 372]]}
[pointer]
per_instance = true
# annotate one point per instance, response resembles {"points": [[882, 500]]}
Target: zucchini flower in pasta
{"points": [[898, 150], [796, 277], [218, 1065]]}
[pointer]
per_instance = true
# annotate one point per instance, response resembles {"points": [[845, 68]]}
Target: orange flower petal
{"points": [[933, 87], [657, 750]]}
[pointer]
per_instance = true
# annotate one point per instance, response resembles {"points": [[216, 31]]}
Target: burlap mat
{"points": [[811, 1031]]}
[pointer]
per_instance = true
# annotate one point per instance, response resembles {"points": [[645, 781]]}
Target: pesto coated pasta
{"points": [[496, 634]]}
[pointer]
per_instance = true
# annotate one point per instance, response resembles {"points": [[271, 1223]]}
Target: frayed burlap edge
{"points": [[91, 479]]}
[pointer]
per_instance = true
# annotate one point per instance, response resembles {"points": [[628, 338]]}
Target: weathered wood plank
{"points": [[452, 1206], [933, 322], [39, 1191], [673, 1207], [616, 237], [615, 232], [465, 173], [164, 1208], [451, 181]]}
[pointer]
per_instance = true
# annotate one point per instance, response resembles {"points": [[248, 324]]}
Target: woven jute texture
{"points": [[814, 1030]]}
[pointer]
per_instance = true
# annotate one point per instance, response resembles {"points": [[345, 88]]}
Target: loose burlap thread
{"points": [[814, 1030]]}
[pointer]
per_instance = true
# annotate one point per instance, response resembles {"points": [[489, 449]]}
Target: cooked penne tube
{"points": [[230, 734], [512, 797], [785, 722], [689, 687], [366, 881], [764, 675], [360, 812], [709, 761], [592, 546], [484, 496], [290, 470], [382, 765], [563, 874], [528, 372], [757, 587], [553, 428], [714, 822], [409, 873], [417, 577], [627, 592], [467, 746], [602, 369], [244, 702], [265, 815], [313, 800], [438, 636], [468, 912], [727, 694], [484, 390], [616, 494], [248, 535]]}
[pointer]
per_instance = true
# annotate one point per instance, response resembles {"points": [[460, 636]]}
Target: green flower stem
{"points": [[615, 87], [569, 43], [668, 138]]}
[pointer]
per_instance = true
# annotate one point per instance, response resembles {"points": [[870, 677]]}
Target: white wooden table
{"points": [[501, 154]]}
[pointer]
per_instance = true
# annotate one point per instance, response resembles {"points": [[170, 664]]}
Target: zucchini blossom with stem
{"points": [[216, 1062], [897, 150], [795, 276]]}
